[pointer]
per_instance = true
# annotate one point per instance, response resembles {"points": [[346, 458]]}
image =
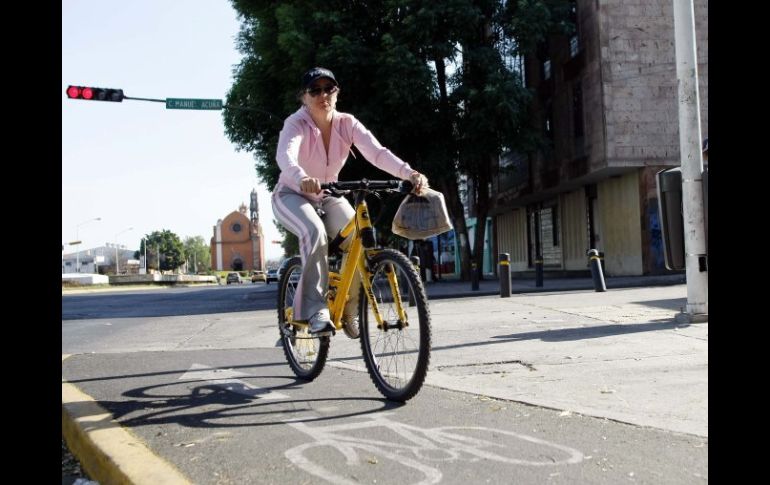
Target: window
{"points": [[547, 69], [574, 47], [574, 40], [548, 120], [236, 227], [577, 109]]}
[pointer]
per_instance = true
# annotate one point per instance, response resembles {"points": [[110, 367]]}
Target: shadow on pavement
{"points": [[569, 334]]}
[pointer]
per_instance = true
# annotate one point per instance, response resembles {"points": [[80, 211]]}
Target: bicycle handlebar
{"points": [[403, 186]]}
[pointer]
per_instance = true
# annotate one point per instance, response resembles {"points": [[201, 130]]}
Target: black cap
{"points": [[317, 73]]}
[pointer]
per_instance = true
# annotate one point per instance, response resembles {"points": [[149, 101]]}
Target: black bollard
{"points": [[596, 270], [504, 271], [474, 277], [416, 262], [538, 271]]}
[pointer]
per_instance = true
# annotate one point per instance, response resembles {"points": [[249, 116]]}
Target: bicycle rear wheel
{"points": [[398, 352], [306, 354]]}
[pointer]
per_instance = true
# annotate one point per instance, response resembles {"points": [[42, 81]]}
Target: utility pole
{"points": [[696, 260]]}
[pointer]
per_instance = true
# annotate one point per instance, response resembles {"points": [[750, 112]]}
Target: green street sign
{"points": [[182, 103]]}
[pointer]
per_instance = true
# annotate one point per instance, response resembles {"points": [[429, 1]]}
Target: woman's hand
{"points": [[310, 185], [419, 181]]}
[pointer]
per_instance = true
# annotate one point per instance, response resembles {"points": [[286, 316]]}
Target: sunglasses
{"points": [[330, 89]]}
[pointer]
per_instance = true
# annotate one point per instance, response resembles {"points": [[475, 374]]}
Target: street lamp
{"points": [[117, 258], [144, 243], [77, 240]]}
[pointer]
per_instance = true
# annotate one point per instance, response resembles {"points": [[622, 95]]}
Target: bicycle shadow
{"points": [[211, 406]]}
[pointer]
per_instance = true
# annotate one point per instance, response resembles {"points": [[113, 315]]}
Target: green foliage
{"points": [[430, 79], [290, 242], [198, 253], [163, 246]]}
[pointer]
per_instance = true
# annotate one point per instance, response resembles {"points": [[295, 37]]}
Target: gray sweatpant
{"points": [[298, 215]]}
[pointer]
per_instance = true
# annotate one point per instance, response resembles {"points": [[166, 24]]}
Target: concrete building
{"points": [[101, 260], [606, 98], [238, 243]]}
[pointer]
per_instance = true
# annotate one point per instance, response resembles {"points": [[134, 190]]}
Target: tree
{"points": [[393, 59], [165, 247], [290, 242], [197, 253]]}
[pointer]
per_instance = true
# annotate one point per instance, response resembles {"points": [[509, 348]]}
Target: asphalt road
{"points": [[196, 374]]}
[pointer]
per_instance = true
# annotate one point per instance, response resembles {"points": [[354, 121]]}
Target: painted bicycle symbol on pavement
{"points": [[420, 448]]}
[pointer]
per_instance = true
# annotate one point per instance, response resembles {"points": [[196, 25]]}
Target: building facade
{"points": [[101, 260], [606, 100], [238, 243]]}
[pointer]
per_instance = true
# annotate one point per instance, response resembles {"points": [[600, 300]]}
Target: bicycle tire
{"points": [[305, 354], [402, 378]]}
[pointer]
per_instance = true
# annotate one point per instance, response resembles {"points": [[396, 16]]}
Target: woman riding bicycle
{"points": [[312, 149]]}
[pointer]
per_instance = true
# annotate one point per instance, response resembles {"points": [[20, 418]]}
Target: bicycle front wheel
{"points": [[305, 353], [396, 351]]}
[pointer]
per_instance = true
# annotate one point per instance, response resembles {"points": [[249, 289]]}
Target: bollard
{"points": [[538, 271], [596, 270], [505, 275], [416, 262], [474, 277]]}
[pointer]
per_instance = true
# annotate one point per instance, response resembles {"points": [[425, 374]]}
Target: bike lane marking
{"points": [[455, 446], [227, 380]]}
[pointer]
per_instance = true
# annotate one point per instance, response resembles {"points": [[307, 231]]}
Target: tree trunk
{"points": [[448, 182]]}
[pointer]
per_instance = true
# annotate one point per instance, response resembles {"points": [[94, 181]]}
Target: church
{"points": [[238, 243]]}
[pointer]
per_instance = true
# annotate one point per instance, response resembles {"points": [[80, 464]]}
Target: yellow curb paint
{"points": [[108, 452]]}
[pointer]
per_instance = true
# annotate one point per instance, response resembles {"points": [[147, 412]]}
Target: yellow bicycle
{"points": [[394, 319]]}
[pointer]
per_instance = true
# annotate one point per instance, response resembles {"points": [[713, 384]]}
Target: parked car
{"points": [[234, 278], [272, 275], [258, 276]]}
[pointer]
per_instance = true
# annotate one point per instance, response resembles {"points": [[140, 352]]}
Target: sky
{"points": [[136, 164]]}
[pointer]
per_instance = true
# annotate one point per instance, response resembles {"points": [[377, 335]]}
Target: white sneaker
{"points": [[350, 326], [320, 324]]}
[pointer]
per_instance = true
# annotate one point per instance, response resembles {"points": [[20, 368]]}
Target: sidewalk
{"points": [[619, 355], [454, 289]]}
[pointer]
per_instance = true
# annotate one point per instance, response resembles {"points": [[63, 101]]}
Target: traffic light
{"points": [[95, 94]]}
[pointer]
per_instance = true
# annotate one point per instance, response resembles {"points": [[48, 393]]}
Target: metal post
{"points": [[505, 275], [692, 161], [77, 238], [539, 270], [117, 257], [474, 277], [596, 270], [416, 262]]}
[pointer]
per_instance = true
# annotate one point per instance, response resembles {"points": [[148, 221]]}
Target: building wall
{"points": [[236, 244], [621, 224], [638, 79], [512, 237], [624, 73], [574, 229]]}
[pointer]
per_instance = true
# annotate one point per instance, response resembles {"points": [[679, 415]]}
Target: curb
{"points": [[109, 453]]}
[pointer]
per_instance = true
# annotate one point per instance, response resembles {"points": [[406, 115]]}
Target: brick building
{"points": [[238, 243], [606, 98]]}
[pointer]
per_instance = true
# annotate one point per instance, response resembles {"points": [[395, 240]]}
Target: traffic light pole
{"points": [[692, 163], [89, 93]]}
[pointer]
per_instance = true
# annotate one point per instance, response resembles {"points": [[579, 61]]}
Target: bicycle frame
{"points": [[356, 261]]}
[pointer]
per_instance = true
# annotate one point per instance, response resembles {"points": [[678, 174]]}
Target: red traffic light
{"points": [[95, 94]]}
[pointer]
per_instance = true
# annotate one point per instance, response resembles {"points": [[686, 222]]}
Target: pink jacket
{"points": [[301, 150]]}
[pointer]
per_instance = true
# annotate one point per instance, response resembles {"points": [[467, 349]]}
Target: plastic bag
{"points": [[421, 217]]}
